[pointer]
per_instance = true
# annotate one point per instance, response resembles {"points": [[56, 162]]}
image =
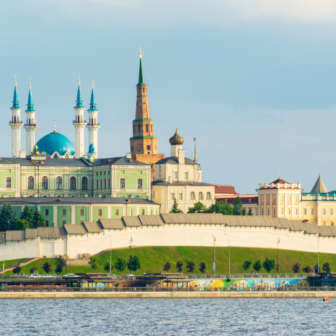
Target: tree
{"points": [[202, 267], [296, 267], [326, 267], [94, 263], [21, 224], [198, 207], [7, 218], [220, 207], [307, 269], [107, 266], [190, 266], [32, 270], [250, 213], [120, 264], [257, 266], [179, 265], [46, 267], [238, 207], [59, 268], [247, 265], [317, 269], [244, 212], [175, 208], [269, 264], [133, 263], [27, 215], [17, 269], [38, 220], [166, 267]]}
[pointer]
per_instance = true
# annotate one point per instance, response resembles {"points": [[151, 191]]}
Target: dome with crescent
{"points": [[176, 139], [56, 143]]}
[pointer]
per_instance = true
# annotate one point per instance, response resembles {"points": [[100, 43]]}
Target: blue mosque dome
{"points": [[55, 142]]}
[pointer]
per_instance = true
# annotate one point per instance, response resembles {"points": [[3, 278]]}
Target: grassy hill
{"points": [[153, 258]]}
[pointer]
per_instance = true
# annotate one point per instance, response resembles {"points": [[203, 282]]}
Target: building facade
{"points": [[180, 178]]}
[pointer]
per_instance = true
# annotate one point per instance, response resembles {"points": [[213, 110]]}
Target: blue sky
{"points": [[253, 80]]}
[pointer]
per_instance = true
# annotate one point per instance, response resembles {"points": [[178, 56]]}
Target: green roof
{"points": [[141, 80]]}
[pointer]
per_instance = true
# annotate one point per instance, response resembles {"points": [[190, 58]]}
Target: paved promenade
{"points": [[163, 295]]}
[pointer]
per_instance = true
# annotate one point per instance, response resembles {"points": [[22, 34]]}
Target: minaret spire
{"points": [[141, 80], [30, 105], [16, 104], [79, 101]]}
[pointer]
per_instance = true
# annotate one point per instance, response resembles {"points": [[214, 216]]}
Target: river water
{"points": [[168, 317]]}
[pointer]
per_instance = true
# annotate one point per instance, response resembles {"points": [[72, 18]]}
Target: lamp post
{"points": [[3, 260], [277, 267], [229, 254], [318, 255], [110, 254], [214, 256], [131, 261]]}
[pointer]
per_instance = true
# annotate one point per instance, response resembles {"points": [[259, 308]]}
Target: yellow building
{"points": [[180, 178]]}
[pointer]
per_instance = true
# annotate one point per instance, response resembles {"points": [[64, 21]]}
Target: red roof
{"points": [[279, 180], [225, 189]]}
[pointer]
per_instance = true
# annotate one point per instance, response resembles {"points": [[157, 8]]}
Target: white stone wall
{"points": [[168, 235]]}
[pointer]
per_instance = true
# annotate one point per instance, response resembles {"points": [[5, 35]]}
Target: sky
{"points": [[253, 80]]}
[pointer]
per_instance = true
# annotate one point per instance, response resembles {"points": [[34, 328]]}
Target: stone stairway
{"points": [[22, 263]]}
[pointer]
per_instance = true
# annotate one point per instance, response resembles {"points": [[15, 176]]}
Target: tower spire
{"points": [[79, 101], [93, 100], [141, 80], [30, 105], [15, 102]]}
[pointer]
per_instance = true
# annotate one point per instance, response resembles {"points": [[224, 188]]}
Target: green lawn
{"points": [[153, 258], [10, 262]]}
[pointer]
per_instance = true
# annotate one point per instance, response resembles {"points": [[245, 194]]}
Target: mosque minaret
{"points": [[16, 124], [30, 125], [79, 124], [93, 125]]}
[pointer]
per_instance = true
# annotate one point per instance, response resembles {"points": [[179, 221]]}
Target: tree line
{"points": [[190, 266], [218, 207], [29, 219], [133, 264], [46, 267]]}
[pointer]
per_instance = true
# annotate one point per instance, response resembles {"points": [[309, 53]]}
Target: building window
{"points": [[64, 212], [296, 211], [84, 183], [208, 196], [30, 182], [172, 196], [101, 173], [282, 198], [180, 196], [117, 212], [44, 182], [186, 176], [324, 212], [46, 223], [59, 183], [274, 211], [289, 211], [109, 183], [282, 211], [97, 184], [122, 183], [331, 223], [100, 212], [331, 211], [147, 131], [200, 196], [46, 212], [262, 198], [104, 183], [63, 223], [268, 198], [8, 182], [305, 212], [273, 199], [249, 200], [312, 211], [131, 212], [267, 211], [289, 198], [142, 212], [192, 195], [175, 175], [104, 172], [139, 183], [82, 212], [262, 212], [101, 184], [72, 183], [324, 223]]}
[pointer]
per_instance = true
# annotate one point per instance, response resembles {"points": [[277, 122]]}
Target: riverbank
{"points": [[165, 295]]}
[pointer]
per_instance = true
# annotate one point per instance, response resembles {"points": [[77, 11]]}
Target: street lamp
{"points": [[214, 255], [277, 267], [229, 254], [3, 259], [131, 261], [318, 255], [110, 254]]}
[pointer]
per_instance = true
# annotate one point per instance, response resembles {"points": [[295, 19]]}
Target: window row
{"points": [[123, 183], [100, 173], [305, 211], [331, 223], [289, 198], [59, 183], [107, 184], [140, 128], [176, 175], [192, 196]]}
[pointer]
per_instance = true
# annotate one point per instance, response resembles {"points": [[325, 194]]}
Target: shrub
{"points": [[120, 264], [32, 270], [59, 268], [46, 267], [17, 269], [247, 265], [94, 263], [166, 267], [269, 265], [179, 265], [307, 269], [326, 267], [190, 266], [202, 267], [296, 267], [257, 266], [133, 263], [107, 266]]}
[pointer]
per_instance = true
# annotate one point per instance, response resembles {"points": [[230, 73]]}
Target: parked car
{"points": [[35, 276], [48, 276], [70, 275], [129, 274]]}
